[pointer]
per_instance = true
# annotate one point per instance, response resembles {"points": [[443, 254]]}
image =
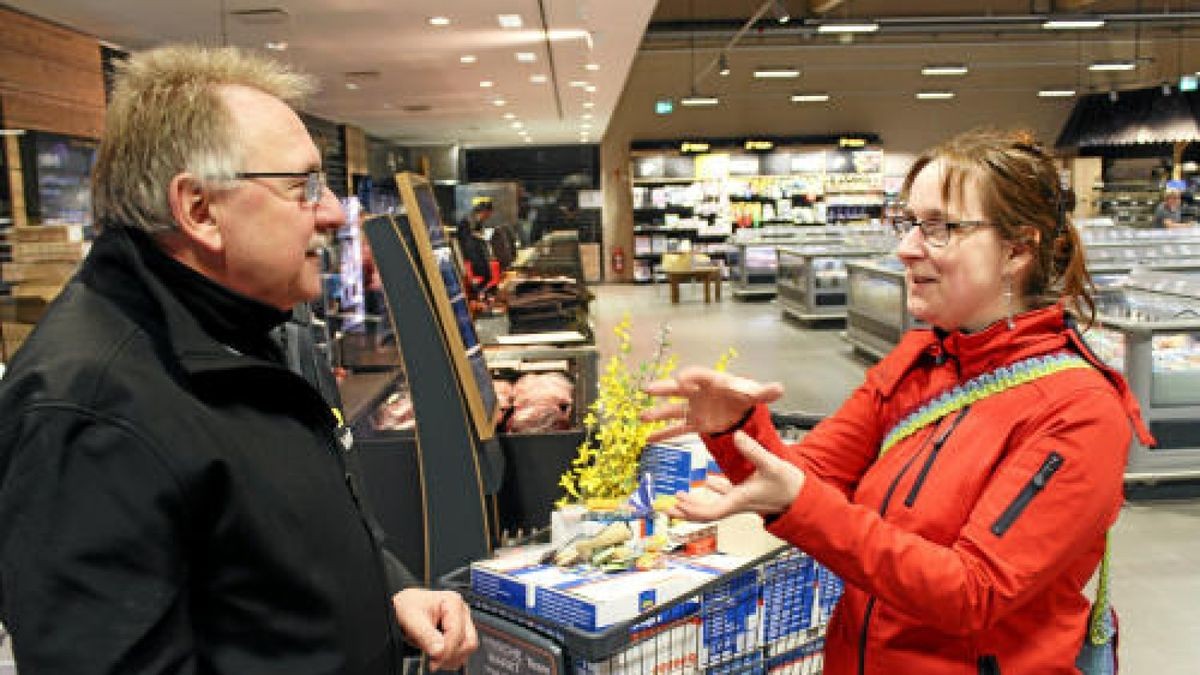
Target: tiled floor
{"points": [[1156, 545]]}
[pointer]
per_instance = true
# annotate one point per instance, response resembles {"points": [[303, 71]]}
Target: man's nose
{"points": [[329, 211]]}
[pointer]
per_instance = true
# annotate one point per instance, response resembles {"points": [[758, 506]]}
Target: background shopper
{"points": [[1169, 212], [172, 498], [964, 490]]}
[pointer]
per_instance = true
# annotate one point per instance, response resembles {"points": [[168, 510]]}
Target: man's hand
{"points": [[439, 624], [771, 489]]}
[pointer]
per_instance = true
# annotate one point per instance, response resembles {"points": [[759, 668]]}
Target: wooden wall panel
{"points": [[51, 77]]}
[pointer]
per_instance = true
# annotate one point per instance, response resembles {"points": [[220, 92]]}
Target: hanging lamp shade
{"points": [[1132, 117]]}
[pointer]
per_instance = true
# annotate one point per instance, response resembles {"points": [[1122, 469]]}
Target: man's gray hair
{"points": [[166, 117]]}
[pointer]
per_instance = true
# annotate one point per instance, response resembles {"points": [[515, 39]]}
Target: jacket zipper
{"points": [[1035, 485], [937, 447], [883, 507], [989, 665]]}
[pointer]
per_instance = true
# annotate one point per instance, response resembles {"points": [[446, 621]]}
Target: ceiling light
{"points": [[439, 21], [499, 102], [526, 57], [467, 58], [277, 46], [510, 116], [487, 84], [781, 13], [585, 116], [12, 132], [694, 101], [810, 98], [945, 69], [848, 27], [591, 89], [934, 95], [776, 73], [537, 79], [1056, 93], [593, 67], [585, 126], [723, 65], [1072, 24], [1112, 65], [509, 20], [352, 86], [578, 83], [517, 125], [528, 139], [589, 105]]}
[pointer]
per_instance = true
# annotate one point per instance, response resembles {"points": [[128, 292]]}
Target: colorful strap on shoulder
{"points": [[978, 388]]}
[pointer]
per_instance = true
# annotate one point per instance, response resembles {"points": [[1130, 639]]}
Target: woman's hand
{"points": [[771, 489], [713, 403]]}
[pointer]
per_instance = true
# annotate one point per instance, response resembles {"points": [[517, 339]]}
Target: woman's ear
{"points": [[1022, 251], [193, 210]]}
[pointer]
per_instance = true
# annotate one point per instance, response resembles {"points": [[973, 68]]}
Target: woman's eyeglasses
{"points": [[934, 232]]}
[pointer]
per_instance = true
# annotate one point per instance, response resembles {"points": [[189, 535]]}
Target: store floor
{"points": [[1156, 545]]}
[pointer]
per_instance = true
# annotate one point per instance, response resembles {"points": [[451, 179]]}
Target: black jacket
{"points": [[170, 503]]}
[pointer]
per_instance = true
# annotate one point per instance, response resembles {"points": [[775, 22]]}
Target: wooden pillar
{"points": [[1177, 160]]}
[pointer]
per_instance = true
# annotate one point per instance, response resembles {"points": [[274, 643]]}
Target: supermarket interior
{"points": [[542, 206]]}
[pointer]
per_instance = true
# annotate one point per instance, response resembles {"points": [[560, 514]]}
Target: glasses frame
{"points": [[935, 233], [314, 182]]}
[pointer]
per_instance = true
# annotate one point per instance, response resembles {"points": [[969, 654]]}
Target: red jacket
{"points": [[967, 555]]}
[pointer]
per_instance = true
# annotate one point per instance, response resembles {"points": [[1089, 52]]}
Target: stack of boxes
{"points": [[44, 258]]}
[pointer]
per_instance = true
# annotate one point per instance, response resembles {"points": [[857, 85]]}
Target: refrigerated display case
{"points": [[1150, 331], [753, 262], [876, 312], [811, 279]]}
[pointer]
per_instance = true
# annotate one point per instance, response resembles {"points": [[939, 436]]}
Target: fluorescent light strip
{"points": [[809, 98], [934, 95], [776, 73], [526, 57], [510, 20], [467, 58], [1101, 66], [1073, 24], [695, 101], [861, 27], [439, 21], [1056, 93], [944, 70], [537, 79]]}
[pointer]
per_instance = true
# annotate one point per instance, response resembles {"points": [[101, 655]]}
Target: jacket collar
{"points": [[198, 315]]}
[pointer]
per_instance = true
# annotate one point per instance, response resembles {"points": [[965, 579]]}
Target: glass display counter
{"points": [[1150, 331], [876, 311], [811, 279], [753, 262]]}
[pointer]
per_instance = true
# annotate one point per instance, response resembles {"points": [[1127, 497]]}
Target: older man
{"points": [[172, 498]]}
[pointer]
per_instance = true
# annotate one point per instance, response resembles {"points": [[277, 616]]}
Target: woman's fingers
{"points": [[718, 484], [666, 411], [670, 432]]}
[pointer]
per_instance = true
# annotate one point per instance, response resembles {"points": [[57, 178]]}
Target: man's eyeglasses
{"points": [[314, 182], [934, 232]]}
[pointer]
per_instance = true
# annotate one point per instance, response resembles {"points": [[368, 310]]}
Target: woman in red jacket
{"points": [[964, 490]]}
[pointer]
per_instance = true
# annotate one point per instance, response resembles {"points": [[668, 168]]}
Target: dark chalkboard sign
{"points": [[508, 649]]}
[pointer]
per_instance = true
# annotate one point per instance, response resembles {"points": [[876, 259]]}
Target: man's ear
{"points": [[194, 213]]}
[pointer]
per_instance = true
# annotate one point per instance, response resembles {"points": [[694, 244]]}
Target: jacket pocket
{"points": [[1035, 485], [988, 665]]}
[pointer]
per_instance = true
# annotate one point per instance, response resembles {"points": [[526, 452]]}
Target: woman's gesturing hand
{"points": [[771, 489], [713, 401]]}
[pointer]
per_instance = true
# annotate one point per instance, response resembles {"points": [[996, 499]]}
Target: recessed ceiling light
{"points": [[848, 27], [487, 84], [585, 125], [934, 95], [526, 57], [277, 46], [537, 79], [528, 139], [694, 101], [352, 86], [809, 98], [1073, 24], [510, 20], [776, 73], [591, 89], [589, 105], [388, 106], [1056, 93], [1112, 65], [499, 103], [592, 67], [578, 83], [467, 58], [945, 69], [439, 21], [585, 116], [517, 125], [510, 116]]}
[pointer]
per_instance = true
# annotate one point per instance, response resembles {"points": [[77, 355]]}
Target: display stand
{"points": [[448, 450]]}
